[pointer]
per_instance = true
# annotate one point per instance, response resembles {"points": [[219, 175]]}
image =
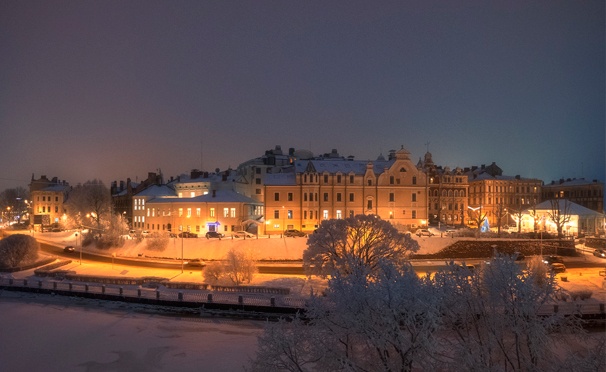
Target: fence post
{"points": [[103, 289], [272, 301], [86, 288], [240, 299], [180, 296], [157, 295], [209, 297], [121, 291], [139, 292]]}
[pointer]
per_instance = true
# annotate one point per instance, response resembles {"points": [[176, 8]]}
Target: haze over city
{"points": [[116, 89]]}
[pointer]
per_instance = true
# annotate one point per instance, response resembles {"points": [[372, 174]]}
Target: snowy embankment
{"points": [[265, 247]]}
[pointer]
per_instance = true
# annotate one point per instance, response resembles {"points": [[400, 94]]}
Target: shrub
{"points": [[157, 242], [213, 272], [17, 250]]}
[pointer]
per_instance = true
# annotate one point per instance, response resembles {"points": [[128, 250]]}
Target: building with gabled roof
{"points": [[589, 194], [48, 199], [331, 186], [577, 219]]}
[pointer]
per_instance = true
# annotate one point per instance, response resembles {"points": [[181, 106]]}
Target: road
{"points": [[420, 266]]}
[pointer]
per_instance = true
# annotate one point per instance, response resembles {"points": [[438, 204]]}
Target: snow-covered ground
{"points": [[41, 332]]}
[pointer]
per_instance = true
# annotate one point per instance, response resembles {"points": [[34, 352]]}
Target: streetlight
{"points": [[182, 236]]}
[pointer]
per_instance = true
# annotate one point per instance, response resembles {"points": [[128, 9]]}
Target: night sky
{"points": [[116, 89]]}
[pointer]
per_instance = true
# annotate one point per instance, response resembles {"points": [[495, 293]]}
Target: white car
{"points": [[424, 232], [242, 234]]}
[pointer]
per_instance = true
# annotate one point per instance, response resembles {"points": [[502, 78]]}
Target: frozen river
{"points": [[42, 333]]}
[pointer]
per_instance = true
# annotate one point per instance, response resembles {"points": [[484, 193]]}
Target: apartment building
{"points": [[498, 196], [331, 186], [589, 194], [448, 192], [47, 201], [223, 211]]}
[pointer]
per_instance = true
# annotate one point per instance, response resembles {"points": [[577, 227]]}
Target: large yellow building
{"points": [[500, 197], [313, 190], [47, 201]]}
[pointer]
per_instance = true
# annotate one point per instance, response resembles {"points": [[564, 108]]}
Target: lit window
{"points": [[180, 212], [325, 214], [225, 212], [339, 214], [198, 212], [232, 212], [212, 212], [188, 212]]}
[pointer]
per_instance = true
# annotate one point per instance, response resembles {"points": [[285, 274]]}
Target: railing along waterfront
{"points": [[207, 298]]}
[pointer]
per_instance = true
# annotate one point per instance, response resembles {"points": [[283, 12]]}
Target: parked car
{"points": [[69, 249], [424, 232], [214, 234], [553, 259], [242, 234], [187, 234], [600, 253], [196, 262], [557, 267], [294, 233]]}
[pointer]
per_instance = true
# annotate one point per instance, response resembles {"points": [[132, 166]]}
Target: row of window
{"points": [[47, 209], [519, 189], [314, 214], [313, 197], [313, 178], [448, 193], [47, 198]]}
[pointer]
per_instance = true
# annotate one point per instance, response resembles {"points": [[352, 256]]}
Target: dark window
{"points": [[391, 179], [277, 196], [290, 196], [369, 204], [392, 197], [414, 197], [339, 178], [414, 180], [277, 213], [325, 196], [338, 196], [351, 196], [351, 179], [258, 181], [326, 178]]}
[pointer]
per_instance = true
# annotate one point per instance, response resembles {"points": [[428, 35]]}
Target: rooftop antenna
{"points": [[427, 145]]}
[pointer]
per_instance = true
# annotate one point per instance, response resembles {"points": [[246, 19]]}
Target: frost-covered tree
{"points": [[492, 318], [17, 250], [559, 214], [240, 266], [487, 319], [345, 245], [90, 203]]}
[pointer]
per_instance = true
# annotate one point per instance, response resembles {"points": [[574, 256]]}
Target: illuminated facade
{"points": [[447, 190], [589, 194], [575, 218], [47, 201], [224, 211], [498, 196], [330, 186]]}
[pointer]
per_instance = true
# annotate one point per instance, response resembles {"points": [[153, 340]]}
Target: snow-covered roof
{"points": [[343, 166], [56, 188], [572, 182], [157, 190], [219, 196], [280, 179], [567, 207]]}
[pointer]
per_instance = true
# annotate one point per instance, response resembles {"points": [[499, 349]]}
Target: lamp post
{"points": [[182, 236]]}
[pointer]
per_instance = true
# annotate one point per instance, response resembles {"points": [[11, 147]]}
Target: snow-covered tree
{"points": [[240, 266], [559, 214], [345, 245], [18, 249], [486, 319], [90, 203]]}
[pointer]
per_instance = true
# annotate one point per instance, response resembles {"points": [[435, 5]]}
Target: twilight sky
{"points": [[116, 89]]}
